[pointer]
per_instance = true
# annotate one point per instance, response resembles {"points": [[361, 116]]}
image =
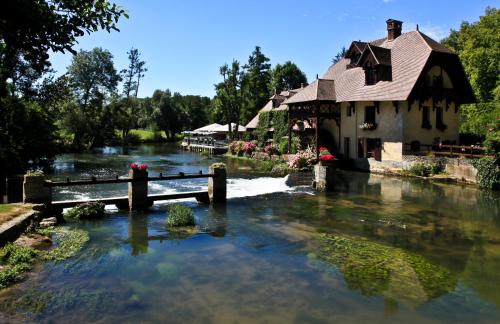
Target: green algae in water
{"points": [[377, 269], [15, 261], [167, 270], [69, 241]]}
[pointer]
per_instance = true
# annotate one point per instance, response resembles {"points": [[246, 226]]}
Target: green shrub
{"points": [[488, 172], [92, 210], [424, 170], [179, 215], [132, 138], [34, 173], [295, 144], [262, 130], [280, 169]]}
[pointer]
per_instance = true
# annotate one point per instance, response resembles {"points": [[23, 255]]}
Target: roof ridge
{"points": [[419, 33]]}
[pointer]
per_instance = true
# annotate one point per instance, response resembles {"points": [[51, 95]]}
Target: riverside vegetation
{"points": [[16, 260]]}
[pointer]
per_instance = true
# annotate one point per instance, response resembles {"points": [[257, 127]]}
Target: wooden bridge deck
{"points": [[123, 201]]}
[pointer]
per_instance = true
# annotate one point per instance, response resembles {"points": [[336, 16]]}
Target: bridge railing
{"points": [[117, 179], [36, 189]]}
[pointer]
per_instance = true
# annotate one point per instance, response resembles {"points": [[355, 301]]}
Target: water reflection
{"points": [[377, 249], [138, 233]]}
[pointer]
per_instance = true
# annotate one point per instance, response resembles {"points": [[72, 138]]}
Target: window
{"points": [[370, 74], [439, 119], [426, 118], [370, 114]]}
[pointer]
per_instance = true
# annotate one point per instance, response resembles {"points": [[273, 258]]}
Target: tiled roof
{"points": [[252, 124], [407, 55], [255, 121], [319, 90], [381, 54]]}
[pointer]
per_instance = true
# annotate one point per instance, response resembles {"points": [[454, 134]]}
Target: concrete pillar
{"points": [[34, 191], [323, 177], [217, 185], [138, 190]]}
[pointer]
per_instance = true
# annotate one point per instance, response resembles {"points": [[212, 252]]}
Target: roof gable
{"points": [[319, 90]]}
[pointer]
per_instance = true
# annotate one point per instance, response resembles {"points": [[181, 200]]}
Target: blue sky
{"points": [[185, 41]]}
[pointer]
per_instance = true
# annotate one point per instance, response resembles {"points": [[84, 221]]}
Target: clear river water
{"points": [[375, 250]]}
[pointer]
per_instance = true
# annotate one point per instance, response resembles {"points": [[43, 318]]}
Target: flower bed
{"points": [[302, 159]]}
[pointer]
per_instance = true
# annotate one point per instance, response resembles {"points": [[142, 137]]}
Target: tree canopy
{"points": [[256, 81], [53, 25], [478, 46], [287, 76]]}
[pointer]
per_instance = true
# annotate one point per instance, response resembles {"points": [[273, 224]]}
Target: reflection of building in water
{"points": [[138, 233]]}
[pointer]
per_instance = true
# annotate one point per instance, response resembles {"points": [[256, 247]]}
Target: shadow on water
{"points": [[376, 249]]}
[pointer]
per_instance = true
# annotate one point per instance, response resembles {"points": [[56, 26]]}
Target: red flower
{"points": [[327, 157], [134, 166], [322, 148], [143, 167]]}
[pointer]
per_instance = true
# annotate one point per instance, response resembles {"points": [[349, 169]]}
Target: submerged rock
{"points": [[47, 222], [36, 241]]}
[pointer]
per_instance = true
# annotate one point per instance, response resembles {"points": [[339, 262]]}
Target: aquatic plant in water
{"points": [[91, 210], [375, 268], [15, 260], [69, 241], [179, 215]]}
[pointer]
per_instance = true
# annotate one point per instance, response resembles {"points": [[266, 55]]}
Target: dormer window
{"points": [[370, 74]]}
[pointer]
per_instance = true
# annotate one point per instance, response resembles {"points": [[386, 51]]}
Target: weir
{"points": [[38, 190]]}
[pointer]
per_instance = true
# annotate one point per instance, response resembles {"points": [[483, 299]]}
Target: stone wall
{"points": [[455, 168]]}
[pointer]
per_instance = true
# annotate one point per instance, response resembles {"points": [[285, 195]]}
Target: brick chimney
{"points": [[394, 28]]}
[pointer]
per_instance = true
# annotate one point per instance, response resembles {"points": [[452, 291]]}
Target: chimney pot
{"points": [[394, 28]]}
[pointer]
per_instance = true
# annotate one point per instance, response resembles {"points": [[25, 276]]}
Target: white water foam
{"points": [[236, 188]]}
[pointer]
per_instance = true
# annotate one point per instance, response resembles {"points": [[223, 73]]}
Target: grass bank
{"points": [[16, 260], [11, 211]]}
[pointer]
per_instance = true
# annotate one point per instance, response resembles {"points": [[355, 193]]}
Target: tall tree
{"points": [[287, 76], [256, 84], [93, 79], [167, 114], [127, 109], [133, 73], [339, 55], [29, 29], [478, 46], [230, 95]]}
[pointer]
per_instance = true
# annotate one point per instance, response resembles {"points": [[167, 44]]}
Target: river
{"points": [[376, 249]]}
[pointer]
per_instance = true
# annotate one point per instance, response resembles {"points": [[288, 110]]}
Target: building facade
{"points": [[388, 98]]}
